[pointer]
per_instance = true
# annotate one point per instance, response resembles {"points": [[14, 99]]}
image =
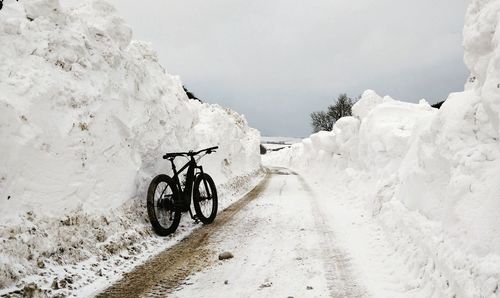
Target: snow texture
{"points": [[85, 115], [428, 176]]}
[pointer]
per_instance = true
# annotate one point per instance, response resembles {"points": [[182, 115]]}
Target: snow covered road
{"points": [[283, 246]]}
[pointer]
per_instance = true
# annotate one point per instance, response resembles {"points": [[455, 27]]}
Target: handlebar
{"points": [[190, 153]]}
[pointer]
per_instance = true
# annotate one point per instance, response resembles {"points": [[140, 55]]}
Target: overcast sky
{"points": [[275, 61]]}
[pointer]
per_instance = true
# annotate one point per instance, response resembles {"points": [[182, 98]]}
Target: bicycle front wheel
{"points": [[162, 195], [205, 198]]}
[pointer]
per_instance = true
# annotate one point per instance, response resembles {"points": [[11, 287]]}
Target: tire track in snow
{"points": [[341, 282], [162, 275]]}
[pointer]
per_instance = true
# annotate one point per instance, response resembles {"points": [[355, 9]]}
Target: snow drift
{"points": [[429, 175], [85, 116]]}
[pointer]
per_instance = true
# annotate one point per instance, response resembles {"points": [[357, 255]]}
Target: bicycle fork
{"points": [[207, 190]]}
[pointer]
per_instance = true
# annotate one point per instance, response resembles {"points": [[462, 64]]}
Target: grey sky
{"points": [[275, 61]]}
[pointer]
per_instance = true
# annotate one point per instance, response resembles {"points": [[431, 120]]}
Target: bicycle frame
{"points": [[187, 192], [184, 202]]}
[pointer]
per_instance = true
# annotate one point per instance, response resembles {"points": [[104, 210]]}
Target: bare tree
{"points": [[325, 120], [321, 121]]}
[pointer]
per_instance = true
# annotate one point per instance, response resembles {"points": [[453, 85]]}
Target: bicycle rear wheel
{"points": [[162, 194], [205, 198]]}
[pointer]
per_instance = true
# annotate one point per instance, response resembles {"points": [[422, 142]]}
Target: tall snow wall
{"points": [[443, 164], [86, 114]]}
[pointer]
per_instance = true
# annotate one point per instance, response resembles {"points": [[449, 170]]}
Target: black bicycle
{"points": [[167, 199]]}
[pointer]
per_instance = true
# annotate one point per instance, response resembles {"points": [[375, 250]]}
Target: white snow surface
{"points": [[86, 114], [428, 177], [278, 143]]}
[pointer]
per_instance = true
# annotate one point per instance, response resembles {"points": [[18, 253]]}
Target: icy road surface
{"points": [[282, 244]]}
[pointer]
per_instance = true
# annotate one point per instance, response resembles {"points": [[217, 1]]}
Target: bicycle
{"points": [[166, 199]]}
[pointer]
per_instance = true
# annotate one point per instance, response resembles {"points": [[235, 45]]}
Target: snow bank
{"points": [[85, 116], [417, 167]]}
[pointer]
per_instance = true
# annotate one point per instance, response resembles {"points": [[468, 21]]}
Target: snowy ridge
{"points": [[429, 177], [85, 116]]}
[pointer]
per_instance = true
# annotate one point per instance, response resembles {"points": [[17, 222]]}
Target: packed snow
{"points": [[304, 259], [86, 114], [428, 177]]}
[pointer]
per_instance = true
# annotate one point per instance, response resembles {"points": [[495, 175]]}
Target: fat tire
{"points": [[157, 226], [196, 194]]}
